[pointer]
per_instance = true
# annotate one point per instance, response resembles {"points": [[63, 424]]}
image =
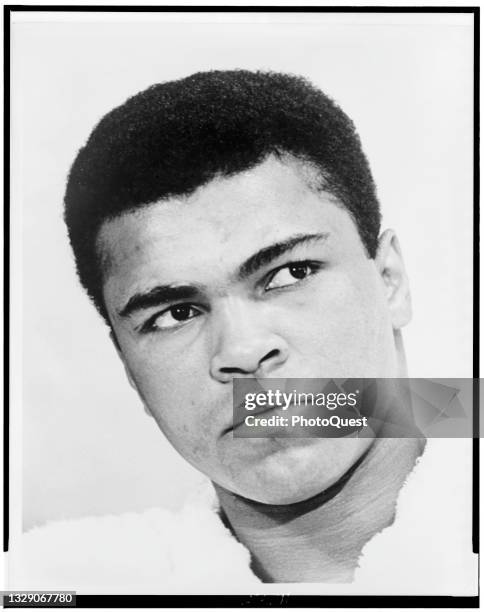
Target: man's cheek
{"points": [[336, 326], [181, 428], [160, 374], [335, 310], [183, 419]]}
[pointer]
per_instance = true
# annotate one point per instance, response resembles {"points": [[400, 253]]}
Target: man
{"points": [[226, 225]]}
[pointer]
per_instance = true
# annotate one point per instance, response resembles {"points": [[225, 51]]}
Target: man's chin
{"points": [[295, 470]]}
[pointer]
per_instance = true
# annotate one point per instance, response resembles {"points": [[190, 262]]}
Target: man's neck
{"points": [[320, 539]]}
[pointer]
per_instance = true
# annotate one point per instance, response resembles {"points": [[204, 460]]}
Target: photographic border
{"points": [[259, 601]]}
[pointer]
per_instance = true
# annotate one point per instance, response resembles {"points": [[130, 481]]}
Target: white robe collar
{"points": [[426, 551]]}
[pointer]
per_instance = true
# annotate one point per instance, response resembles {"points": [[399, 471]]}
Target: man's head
{"points": [[227, 225], [175, 137]]}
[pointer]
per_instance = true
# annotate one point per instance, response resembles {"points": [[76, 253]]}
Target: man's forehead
{"points": [[222, 222]]}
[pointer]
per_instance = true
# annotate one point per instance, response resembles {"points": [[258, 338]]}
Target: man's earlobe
{"points": [[390, 265], [131, 380]]}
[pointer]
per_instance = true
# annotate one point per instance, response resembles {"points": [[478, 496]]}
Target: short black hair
{"points": [[176, 136]]}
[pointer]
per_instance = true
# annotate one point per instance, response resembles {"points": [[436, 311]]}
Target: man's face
{"points": [[255, 275]]}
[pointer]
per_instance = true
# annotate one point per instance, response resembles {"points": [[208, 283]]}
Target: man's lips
{"points": [[283, 409], [241, 410]]}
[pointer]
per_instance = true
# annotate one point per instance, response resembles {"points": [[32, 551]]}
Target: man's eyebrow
{"points": [[162, 294], [269, 253], [165, 294]]}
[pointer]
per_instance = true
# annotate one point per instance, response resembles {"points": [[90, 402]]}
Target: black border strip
{"points": [[273, 601], [268, 601], [242, 9], [476, 292], [261, 601], [6, 277]]}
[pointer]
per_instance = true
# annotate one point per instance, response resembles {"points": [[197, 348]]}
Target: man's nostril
{"points": [[271, 354], [226, 370]]}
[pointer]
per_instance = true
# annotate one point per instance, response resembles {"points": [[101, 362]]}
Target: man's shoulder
{"points": [[154, 549], [428, 547]]}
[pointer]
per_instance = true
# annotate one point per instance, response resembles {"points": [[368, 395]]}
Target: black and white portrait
{"points": [[199, 197]]}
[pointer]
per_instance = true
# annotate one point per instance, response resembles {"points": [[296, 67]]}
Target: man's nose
{"points": [[244, 343]]}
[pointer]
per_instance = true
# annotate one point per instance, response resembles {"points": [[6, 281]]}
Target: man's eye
{"points": [[172, 317], [291, 274]]}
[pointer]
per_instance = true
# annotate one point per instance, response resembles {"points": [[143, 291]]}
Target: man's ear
{"points": [[131, 380], [389, 263]]}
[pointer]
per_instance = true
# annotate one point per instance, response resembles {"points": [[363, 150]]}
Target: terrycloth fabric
{"points": [[426, 551]]}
